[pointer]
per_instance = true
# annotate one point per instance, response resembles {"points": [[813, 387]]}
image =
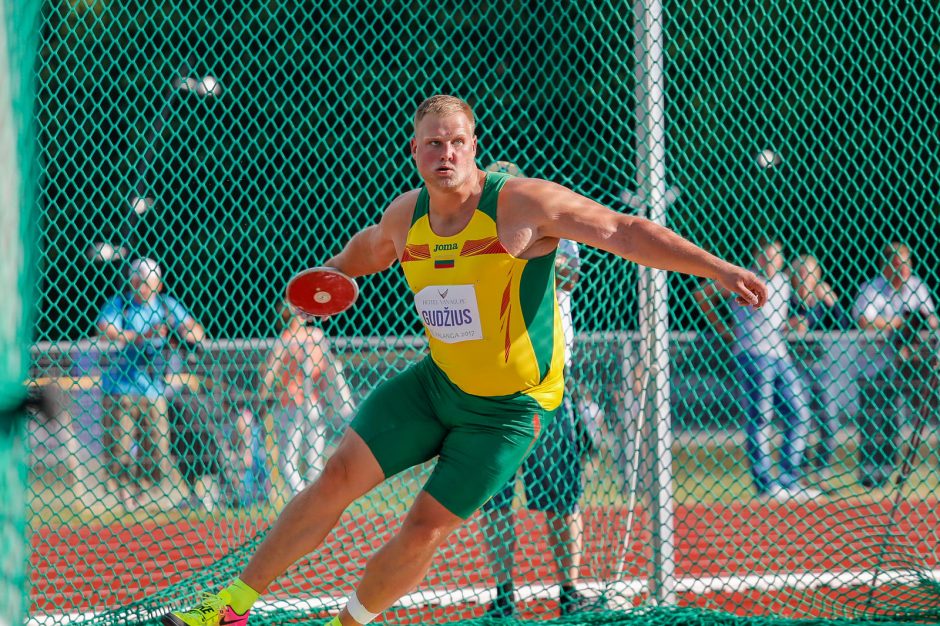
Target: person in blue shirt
{"points": [[137, 324]]}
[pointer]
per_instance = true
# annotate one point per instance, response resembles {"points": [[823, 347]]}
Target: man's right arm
{"points": [[375, 248], [111, 325]]}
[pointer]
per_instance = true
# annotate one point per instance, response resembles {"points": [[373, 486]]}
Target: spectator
{"points": [[881, 309], [295, 376], [197, 435], [135, 420], [552, 475], [769, 377], [251, 480], [815, 305]]}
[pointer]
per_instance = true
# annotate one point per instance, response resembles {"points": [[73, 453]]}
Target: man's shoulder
{"points": [[404, 201], [876, 284], [116, 303], [530, 187], [916, 282], [530, 198], [167, 301], [401, 209]]}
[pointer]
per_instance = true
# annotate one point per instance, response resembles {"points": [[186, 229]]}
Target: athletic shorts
{"points": [[551, 474], [480, 441]]}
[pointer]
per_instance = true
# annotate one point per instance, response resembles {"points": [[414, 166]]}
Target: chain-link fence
{"points": [[230, 145]]}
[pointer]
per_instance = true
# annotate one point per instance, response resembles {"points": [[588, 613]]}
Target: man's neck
{"points": [[448, 203], [449, 208], [137, 299]]}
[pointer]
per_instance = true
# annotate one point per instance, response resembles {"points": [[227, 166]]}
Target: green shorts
{"points": [[480, 441]]}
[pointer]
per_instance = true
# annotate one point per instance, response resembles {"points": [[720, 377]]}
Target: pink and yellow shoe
{"points": [[213, 610]]}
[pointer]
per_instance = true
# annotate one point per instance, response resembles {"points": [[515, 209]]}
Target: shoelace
{"points": [[210, 604]]}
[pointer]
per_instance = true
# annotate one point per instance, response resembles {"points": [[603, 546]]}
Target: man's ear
{"points": [[414, 147]]}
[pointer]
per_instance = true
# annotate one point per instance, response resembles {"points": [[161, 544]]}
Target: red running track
{"points": [[96, 567]]}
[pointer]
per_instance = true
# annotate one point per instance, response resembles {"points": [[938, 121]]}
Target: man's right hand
{"points": [[749, 290]]}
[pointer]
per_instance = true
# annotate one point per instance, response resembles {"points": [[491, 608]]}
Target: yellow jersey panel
{"points": [[491, 319]]}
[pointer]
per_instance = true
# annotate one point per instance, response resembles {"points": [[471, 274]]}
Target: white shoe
{"points": [[774, 493], [803, 494], [207, 493]]}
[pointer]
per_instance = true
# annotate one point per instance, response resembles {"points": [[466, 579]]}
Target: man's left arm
{"points": [[559, 212]]}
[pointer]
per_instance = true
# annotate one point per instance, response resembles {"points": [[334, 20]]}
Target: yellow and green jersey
{"points": [[491, 319]]}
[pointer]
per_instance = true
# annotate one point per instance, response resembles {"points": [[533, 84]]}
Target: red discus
{"points": [[321, 292]]}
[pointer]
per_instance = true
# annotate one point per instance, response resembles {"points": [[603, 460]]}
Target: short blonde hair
{"points": [[443, 105]]}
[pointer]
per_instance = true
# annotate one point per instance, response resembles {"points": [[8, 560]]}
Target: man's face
{"points": [[146, 288], [771, 259], [898, 269], [809, 273], [444, 150]]}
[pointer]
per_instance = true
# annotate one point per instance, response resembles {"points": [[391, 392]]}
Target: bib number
{"points": [[450, 312]]}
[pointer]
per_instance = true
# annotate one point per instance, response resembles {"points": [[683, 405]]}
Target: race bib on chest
{"points": [[450, 312]]}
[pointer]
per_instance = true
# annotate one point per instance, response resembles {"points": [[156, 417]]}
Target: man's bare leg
{"points": [[402, 563], [564, 537], [307, 519], [565, 533], [500, 533]]}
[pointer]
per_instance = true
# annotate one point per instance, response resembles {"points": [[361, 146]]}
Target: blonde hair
{"points": [[442, 106]]}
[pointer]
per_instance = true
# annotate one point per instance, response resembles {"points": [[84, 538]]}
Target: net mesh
{"points": [[779, 466], [18, 30]]}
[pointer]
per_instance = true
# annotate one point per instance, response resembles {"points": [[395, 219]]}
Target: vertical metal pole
{"points": [[18, 45], [653, 296]]}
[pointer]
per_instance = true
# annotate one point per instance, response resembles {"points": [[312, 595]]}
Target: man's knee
{"points": [[336, 475], [348, 473], [426, 530], [428, 523]]}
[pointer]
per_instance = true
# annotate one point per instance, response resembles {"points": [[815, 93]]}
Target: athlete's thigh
{"points": [[398, 423], [483, 451]]}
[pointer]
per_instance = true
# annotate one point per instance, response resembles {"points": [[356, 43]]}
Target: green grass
{"points": [[706, 471]]}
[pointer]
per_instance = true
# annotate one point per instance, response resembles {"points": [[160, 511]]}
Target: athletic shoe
{"points": [[774, 493], [803, 494], [214, 610], [502, 608], [575, 602]]}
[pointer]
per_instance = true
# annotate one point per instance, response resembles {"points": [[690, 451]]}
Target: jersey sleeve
{"points": [[177, 313], [110, 313]]}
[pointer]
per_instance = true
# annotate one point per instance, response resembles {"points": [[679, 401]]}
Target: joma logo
{"points": [[444, 246]]}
